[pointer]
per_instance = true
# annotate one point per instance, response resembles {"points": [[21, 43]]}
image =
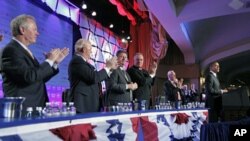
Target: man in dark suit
{"points": [[22, 74], [214, 92], [120, 86], [84, 79], [143, 78], [172, 88]]}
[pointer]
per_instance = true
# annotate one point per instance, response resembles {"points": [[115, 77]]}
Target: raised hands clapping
{"points": [[57, 55]]}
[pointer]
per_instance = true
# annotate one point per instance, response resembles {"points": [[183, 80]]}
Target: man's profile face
{"points": [[30, 32], [216, 67], [87, 51]]}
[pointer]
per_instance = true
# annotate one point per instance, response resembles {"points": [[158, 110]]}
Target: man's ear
{"points": [[82, 50], [21, 30]]}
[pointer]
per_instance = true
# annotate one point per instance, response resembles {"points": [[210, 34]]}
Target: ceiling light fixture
{"points": [[236, 4], [124, 40], [128, 37], [93, 13], [84, 6], [111, 26]]}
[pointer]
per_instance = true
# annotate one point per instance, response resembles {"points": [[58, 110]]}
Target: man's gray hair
{"points": [[80, 44], [170, 72], [20, 21]]}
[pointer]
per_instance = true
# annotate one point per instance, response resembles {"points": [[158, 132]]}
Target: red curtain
{"points": [[150, 40], [141, 42]]}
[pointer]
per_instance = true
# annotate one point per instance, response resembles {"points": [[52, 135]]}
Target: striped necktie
{"points": [[125, 75]]}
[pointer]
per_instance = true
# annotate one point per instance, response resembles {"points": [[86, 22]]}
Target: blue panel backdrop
{"points": [[56, 32]]}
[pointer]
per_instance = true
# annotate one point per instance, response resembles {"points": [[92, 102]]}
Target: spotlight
{"points": [[128, 37], [111, 26], [93, 13], [84, 6], [124, 40]]}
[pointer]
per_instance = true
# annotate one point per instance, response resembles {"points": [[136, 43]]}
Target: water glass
{"points": [[39, 111], [72, 108], [29, 111]]}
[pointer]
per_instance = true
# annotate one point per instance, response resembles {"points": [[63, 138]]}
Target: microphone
{"points": [[241, 82]]}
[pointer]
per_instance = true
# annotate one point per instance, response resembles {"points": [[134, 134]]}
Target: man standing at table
{"points": [[172, 88], [22, 74], [84, 79], [214, 93], [120, 86], [143, 78]]}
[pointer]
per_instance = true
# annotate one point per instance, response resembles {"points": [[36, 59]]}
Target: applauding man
{"points": [[143, 78], [120, 85], [22, 74], [84, 79]]}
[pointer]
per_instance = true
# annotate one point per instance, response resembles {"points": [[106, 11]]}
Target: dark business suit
{"points": [[117, 87], [213, 97], [144, 82], [84, 84], [170, 91], [23, 76], [192, 96]]}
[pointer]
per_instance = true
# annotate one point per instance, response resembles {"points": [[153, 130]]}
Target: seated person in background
{"points": [[186, 93], [194, 93], [120, 86], [171, 88], [191, 95]]}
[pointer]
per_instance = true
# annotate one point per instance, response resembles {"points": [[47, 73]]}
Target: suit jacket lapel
{"points": [[216, 80], [92, 67], [139, 71], [35, 61], [25, 52], [81, 60], [123, 73]]}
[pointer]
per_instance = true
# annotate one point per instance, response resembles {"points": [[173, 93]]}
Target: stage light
{"points": [[93, 13], [128, 37], [111, 26], [84, 6], [124, 40]]}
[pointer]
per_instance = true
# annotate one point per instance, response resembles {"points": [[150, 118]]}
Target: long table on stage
{"points": [[141, 125]]}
